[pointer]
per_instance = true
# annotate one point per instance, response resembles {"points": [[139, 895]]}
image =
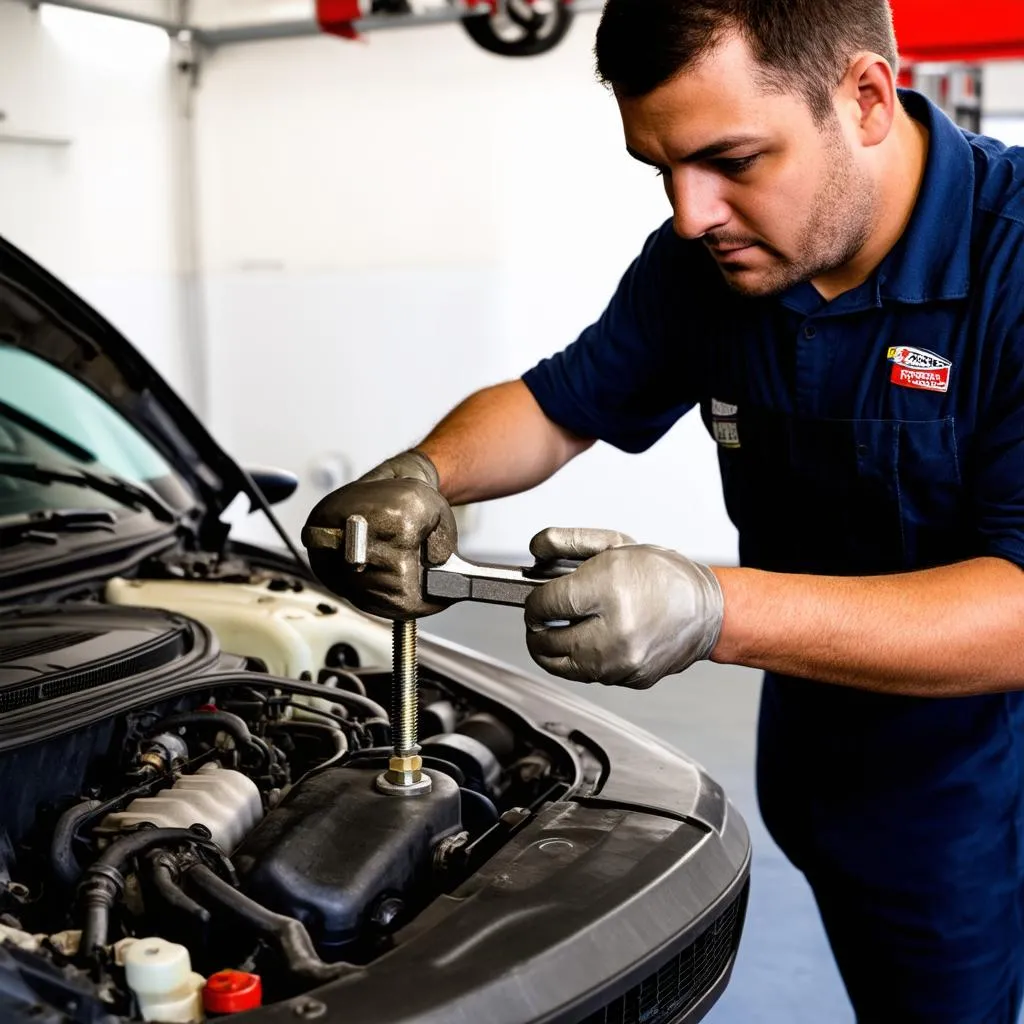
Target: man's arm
{"points": [[498, 442], [951, 631]]}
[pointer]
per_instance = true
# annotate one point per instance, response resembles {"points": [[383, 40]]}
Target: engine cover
{"points": [[336, 844]]}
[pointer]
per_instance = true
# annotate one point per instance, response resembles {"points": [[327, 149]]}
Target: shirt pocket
{"points": [[845, 497]]}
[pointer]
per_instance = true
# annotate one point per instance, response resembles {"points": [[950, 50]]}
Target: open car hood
{"points": [[41, 315]]}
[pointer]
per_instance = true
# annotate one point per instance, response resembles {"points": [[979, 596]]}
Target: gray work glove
{"points": [[636, 612], [409, 526]]}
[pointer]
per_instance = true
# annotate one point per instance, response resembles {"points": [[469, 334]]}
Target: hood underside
{"points": [[40, 315]]}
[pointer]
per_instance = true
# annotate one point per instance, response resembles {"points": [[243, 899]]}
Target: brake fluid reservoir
{"points": [[161, 976], [225, 801]]}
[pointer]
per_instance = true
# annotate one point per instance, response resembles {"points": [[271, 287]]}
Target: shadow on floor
{"points": [[784, 972]]}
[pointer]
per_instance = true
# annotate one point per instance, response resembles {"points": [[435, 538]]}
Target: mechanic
{"points": [[840, 291]]}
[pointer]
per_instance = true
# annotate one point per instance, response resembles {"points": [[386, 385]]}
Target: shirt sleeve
{"points": [[629, 377], [999, 469]]}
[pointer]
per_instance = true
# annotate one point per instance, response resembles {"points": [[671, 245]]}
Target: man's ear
{"points": [[866, 98]]}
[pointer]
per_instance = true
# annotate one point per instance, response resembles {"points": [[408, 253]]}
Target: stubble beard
{"points": [[837, 228]]}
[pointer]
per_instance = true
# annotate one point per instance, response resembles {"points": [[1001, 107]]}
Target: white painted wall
{"points": [[153, 9], [1004, 87], [98, 212], [390, 225], [1004, 101], [229, 13]]}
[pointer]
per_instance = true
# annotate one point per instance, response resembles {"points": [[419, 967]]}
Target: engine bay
{"points": [[187, 799]]}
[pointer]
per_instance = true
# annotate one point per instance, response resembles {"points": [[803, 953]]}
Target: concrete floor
{"points": [[784, 971]]}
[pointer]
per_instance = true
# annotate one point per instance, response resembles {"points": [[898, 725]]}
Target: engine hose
{"points": [[103, 881], [354, 702], [62, 854], [115, 803], [227, 722], [286, 935], [358, 687], [334, 737], [163, 873]]}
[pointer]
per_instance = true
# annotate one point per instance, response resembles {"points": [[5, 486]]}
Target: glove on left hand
{"points": [[636, 612]]}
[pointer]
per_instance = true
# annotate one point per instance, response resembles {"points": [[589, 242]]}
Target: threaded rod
{"points": [[405, 710]]}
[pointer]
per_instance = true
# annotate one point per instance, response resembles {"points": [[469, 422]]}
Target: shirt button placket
{"points": [[808, 370]]}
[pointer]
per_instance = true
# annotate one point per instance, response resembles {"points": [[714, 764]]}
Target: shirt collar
{"points": [[932, 259]]}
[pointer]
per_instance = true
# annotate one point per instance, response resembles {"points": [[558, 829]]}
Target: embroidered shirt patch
{"points": [[918, 368]]}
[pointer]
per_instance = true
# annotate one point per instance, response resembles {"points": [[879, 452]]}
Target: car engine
{"points": [[177, 821]]}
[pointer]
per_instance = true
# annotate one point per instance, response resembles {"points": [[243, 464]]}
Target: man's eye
{"points": [[739, 164]]}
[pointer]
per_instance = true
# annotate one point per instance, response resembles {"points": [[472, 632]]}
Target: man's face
{"points": [[775, 197]]}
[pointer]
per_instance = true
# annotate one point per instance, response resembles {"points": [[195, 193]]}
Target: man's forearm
{"points": [[497, 442], [951, 631]]}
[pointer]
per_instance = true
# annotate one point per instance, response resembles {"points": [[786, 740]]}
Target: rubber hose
{"points": [[355, 702], [285, 934], [115, 803], [335, 737], [234, 726], [161, 871], [103, 881], [62, 853]]}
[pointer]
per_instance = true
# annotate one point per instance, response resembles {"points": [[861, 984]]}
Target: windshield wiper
{"points": [[46, 525], [58, 440], [122, 491]]}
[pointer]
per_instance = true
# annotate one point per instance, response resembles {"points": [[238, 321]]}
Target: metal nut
{"points": [[401, 765]]}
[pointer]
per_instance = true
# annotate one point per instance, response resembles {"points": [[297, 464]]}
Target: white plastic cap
{"points": [[156, 966], [160, 974]]}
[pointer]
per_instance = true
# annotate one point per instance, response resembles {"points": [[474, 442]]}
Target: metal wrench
{"points": [[462, 580]]}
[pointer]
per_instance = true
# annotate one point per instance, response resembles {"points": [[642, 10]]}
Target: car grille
{"points": [[668, 993]]}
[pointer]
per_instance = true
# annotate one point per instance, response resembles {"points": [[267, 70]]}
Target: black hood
{"points": [[42, 316]]}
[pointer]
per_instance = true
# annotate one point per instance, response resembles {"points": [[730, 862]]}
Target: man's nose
{"points": [[697, 203]]}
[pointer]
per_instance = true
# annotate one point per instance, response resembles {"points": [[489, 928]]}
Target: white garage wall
{"points": [[1004, 101], [1004, 87], [99, 209], [390, 225], [227, 13]]}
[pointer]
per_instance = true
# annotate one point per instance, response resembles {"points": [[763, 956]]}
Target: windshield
{"points": [[48, 417]]}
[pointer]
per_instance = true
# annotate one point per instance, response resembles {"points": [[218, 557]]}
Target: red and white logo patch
{"points": [[920, 369]]}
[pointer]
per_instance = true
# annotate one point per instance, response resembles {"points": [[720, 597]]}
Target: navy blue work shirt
{"points": [[880, 432]]}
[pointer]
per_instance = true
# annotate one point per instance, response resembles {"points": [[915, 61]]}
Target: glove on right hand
{"points": [[634, 613], [409, 525]]}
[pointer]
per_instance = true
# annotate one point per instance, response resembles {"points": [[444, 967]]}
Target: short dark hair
{"points": [[802, 45]]}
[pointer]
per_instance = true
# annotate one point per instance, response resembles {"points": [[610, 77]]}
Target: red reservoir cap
{"points": [[232, 992]]}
